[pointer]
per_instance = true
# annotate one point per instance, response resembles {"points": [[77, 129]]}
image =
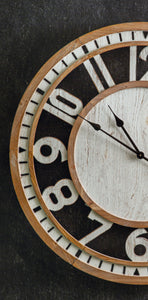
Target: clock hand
{"points": [[97, 127], [120, 123], [140, 155]]}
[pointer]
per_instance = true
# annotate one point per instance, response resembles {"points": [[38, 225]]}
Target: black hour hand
{"points": [[120, 123]]}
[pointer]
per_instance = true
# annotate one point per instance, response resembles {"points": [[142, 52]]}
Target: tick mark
{"points": [[133, 36], [31, 198], [25, 174], [78, 253], [24, 137], [96, 43], [50, 229], [136, 272], [36, 209], [108, 40], [43, 219], [85, 49], [64, 63], [74, 55], [145, 33], [112, 268], [58, 239], [120, 37], [68, 246], [47, 81], [41, 92], [27, 186], [25, 125], [30, 114], [88, 261], [55, 71], [21, 150], [34, 102]]}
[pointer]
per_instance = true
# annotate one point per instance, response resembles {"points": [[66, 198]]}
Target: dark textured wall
{"points": [[32, 31]]}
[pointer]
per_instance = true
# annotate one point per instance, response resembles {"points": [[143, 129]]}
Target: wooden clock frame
{"points": [[16, 177]]}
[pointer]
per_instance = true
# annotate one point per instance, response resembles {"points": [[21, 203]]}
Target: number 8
{"points": [[54, 195]]}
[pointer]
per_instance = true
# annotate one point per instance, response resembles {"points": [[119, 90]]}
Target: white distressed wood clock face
{"points": [[83, 186], [111, 178]]}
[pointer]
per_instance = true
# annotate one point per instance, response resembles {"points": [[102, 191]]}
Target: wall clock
{"points": [[79, 153]]}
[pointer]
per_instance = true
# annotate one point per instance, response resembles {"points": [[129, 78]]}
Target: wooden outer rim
{"points": [[14, 154], [132, 26], [110, 276], [71, 162]]}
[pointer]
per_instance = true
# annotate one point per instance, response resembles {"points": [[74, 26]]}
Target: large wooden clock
{"points": [[79, 153]]}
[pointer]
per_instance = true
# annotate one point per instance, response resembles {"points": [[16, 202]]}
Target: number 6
{"points": [[134, 240]]}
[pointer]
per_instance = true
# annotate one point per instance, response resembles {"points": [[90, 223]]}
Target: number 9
{"points": [[56, 147]]}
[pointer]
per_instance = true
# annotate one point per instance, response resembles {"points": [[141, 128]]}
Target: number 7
{"points": [[106, 225]]}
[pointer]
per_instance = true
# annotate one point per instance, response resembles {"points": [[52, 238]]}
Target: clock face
{"points": [[109, 175], [80, 178]]}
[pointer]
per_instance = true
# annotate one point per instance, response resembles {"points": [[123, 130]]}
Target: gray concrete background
{"points": [[31, 32]]}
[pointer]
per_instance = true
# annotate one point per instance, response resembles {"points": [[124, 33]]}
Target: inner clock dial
{"points": [[120, 195]]}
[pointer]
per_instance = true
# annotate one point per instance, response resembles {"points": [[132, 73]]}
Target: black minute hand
{"points": [[97, 127]]}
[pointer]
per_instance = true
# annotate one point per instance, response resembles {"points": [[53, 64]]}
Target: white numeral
{"points": [[64, 111], [134, 240], [144, 55], [106, 225], [55, 147], [54, 195], [133, 62], [96, 80]]}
